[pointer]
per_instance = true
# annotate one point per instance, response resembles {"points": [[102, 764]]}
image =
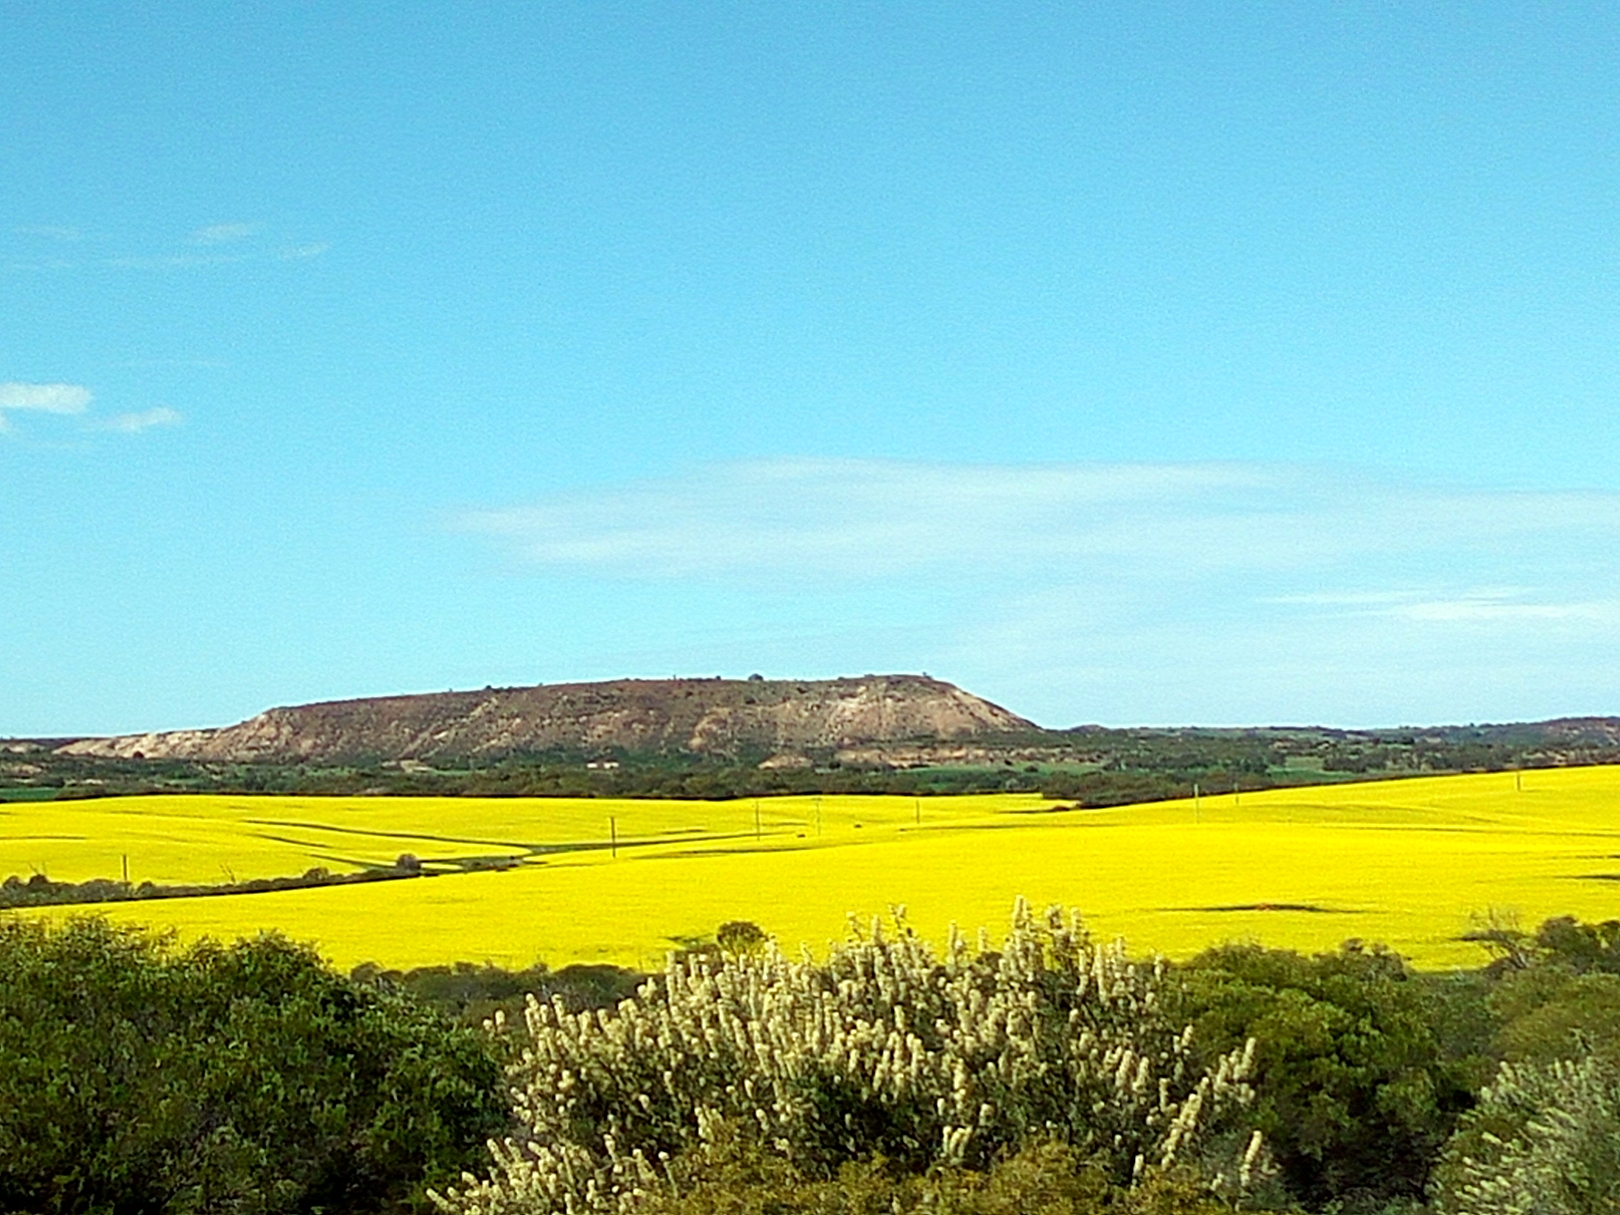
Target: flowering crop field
{"points": [[1407, 862]]}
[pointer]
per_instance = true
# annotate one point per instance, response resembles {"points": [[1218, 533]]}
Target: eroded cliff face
{"points": [[700, 716]]}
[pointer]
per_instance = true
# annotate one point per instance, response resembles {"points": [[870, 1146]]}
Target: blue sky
{"points": [[1127, 363]]}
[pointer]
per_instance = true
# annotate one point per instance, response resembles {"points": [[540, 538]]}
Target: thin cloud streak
{"points": [[1479, 603], [165, 364], [221, 244], [850, 519], [223, 234], [1470, 608], [45, 398], [173, 261], [866, 520], [1146, 592], [134, 423], [50, 232], [74, 400]]}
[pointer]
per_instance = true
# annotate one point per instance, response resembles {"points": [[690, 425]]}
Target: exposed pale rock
{"points": [[703, 716]]}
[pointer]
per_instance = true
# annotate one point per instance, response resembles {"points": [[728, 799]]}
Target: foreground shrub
{"points": [[886, 1050], [471, 995], [138, 1078], [1544, 1140], [1044, 1179], [1354, 1090], [1549, 1011], [1563, 942]]}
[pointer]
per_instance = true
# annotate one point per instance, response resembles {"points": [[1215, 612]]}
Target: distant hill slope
{"points": [[695, 716], [1558, 732]]}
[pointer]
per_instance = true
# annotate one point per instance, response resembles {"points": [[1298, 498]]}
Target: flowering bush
{"points": [[886, 1049], [1544, 1140]]}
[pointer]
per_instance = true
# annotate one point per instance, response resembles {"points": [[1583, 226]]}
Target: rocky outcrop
{"points": [[715, 717]]}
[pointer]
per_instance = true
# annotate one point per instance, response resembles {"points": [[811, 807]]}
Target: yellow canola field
{"points": [[1408, 862]]}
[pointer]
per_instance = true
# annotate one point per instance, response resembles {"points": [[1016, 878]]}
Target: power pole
{"points": [[613, 835]]}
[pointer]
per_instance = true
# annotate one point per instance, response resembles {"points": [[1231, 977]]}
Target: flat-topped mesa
{"points": [[720, 717]]}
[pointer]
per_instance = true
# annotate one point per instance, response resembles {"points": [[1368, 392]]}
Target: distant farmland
{"points": [[1406, 862]]}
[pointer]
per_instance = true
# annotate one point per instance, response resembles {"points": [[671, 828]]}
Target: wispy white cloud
{"points": [[197, 364], [46, 398], [211, 245], [1479, 604], [49, 232], [134, 423], [1491, 610], [41, 398], [1355, 600], [41, 265], [174, 261], [223, 234], [857, 519], [1148, 592], [74, 399], [865, 520]]}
